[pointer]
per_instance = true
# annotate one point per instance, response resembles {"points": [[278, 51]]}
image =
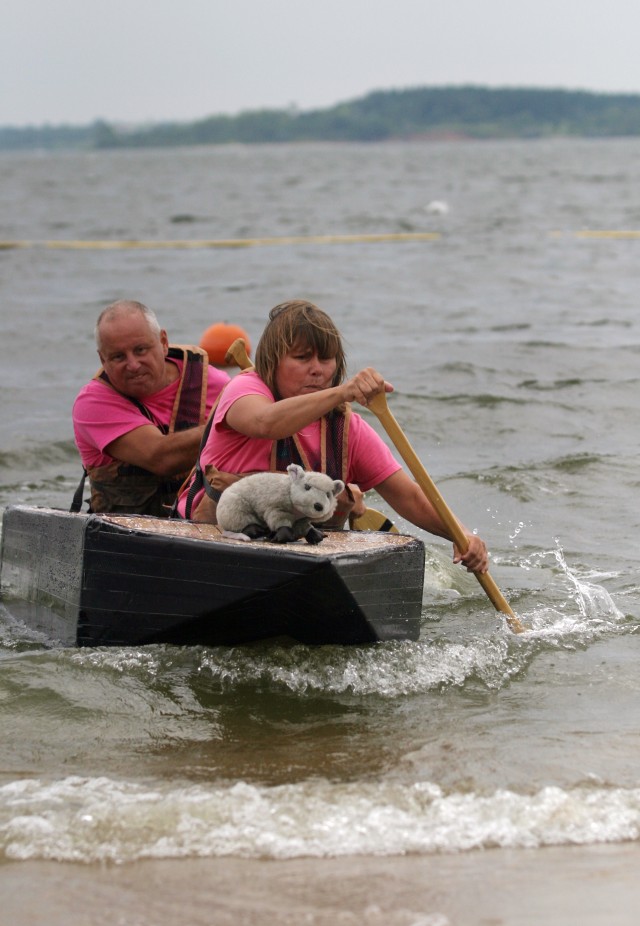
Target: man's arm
{"points": [[162, 454]]}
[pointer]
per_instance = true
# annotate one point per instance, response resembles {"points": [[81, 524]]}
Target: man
{"points": [[139, 422]]}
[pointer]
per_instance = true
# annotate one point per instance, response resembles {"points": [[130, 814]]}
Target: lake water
{"points": [[476, 776]]}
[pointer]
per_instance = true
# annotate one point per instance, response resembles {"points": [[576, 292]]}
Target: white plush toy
{"points": [[279, 506]]}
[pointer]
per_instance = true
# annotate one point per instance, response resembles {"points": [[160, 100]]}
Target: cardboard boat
{"points": [[118, 580]]}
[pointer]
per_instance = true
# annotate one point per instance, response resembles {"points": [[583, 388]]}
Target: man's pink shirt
{"points": [[102, 415]]}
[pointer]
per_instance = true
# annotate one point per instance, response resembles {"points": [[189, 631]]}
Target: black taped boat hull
{"points": [[117, 580]]}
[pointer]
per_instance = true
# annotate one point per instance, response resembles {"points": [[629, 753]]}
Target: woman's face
{"points": [[302, 372]]}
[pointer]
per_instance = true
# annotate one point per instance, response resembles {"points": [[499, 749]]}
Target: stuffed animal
{"points": [[279, 506]]}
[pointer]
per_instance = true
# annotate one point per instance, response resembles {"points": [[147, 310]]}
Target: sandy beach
{"points": [[590, 886]]}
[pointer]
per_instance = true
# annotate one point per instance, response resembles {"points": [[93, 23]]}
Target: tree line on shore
{"points": [[429, 112]]}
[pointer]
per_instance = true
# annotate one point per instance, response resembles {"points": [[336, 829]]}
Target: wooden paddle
{"points": [[237, 355], [378, 405], [371, 520]]}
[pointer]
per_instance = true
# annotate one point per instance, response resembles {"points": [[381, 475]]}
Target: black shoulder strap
{"points": [[198, 482], [76, 504]]}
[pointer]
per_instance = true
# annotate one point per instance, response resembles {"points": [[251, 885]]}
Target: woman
{"points": [[295, 408]]}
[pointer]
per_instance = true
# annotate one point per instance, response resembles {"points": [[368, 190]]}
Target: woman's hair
{"points": [[298, 324]]}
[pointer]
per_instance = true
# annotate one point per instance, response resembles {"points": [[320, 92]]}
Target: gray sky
{"points": [[72, 61]]}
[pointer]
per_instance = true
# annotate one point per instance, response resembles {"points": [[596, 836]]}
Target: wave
{"points": [[527, 481], [183, 696], [105, 820], [573, 610], [33, 455]]}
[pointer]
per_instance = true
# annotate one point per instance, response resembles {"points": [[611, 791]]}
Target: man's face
{"points": [[133, 355]]}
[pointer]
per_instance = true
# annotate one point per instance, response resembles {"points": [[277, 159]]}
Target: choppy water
{"points": [[514, 346]]}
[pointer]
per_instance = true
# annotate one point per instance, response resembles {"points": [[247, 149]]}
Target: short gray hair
{"points": [[127, 307]]}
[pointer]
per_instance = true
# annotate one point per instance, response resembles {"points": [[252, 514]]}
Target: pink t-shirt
{"points": [[369, 459], [101, 415]]}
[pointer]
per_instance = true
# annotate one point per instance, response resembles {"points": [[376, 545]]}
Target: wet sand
{"points": [[590, 886]]}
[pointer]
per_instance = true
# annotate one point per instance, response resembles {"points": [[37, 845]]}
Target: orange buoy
{"points": [[217, 340]]}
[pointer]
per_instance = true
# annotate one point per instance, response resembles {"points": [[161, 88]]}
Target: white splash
{"points": [[587, 609], [99, 819], [437, 207]]}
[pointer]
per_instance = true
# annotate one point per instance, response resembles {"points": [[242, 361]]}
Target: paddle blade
{"points": [[373, 520]]}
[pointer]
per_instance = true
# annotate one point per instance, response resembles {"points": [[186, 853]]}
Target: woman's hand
{"points": [[364, 385], [476, 559]]}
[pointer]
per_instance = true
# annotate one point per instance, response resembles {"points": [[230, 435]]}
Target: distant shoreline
{"points": [[456, 113]]}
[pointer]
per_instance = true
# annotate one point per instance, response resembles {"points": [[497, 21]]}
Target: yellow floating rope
{"points": [[611, 233], [63, 244], [179, 244], [599, 233]]}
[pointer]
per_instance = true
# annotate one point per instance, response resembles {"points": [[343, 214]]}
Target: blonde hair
{"points": [[298, 324]]}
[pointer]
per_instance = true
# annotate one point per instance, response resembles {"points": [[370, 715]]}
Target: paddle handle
{"points": [[237, 353], [378, 405]]}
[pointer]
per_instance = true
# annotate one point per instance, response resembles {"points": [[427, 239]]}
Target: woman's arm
{"points": [[256, 416], [407, 498]]}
